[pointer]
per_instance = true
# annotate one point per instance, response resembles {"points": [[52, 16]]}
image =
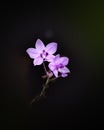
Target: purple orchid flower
{"points": [[59, 65], [42, 53]]}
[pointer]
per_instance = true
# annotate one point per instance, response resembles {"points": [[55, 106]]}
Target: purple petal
{"points": [[40, 46], [50, 58], [51, 48], [33, 53], [51, 66], [55, 72], [64, 60], [64, 75], [57, 57], [64, 70], [38, 61]]}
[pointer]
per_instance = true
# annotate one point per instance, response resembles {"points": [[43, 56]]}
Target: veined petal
{"points": [[51, 66], [39, 46], [56, 59], [33, 53], [64, 60], [50, 58], [64, 70], [55, 72], [38, 61], [51, 48]]}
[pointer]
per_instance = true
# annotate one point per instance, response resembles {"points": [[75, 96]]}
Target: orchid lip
{"points": [[44, 54], [59, 66]]}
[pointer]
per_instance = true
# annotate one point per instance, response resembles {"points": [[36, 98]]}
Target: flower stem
{"points": [[53, 79], [42, 92], [45, 68], [44, 87]]}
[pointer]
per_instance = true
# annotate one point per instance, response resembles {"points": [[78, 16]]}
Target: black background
{"points": [[72, 102]]}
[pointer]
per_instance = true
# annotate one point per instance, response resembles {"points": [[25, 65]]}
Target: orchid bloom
{"points": [[42, 53], [59, 65]]}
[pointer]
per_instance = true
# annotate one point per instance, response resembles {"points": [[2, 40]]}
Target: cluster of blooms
{"points": [[57, 64], [42, 53]]}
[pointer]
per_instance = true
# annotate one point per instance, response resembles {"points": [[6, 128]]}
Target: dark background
{"points": [[72, 102]]}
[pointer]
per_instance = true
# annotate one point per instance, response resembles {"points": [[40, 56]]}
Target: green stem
{"points": [[42, 92], [44, 87]]}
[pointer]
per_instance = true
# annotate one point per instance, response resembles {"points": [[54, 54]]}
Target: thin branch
{"points": [[42, 92], [45, 68]]}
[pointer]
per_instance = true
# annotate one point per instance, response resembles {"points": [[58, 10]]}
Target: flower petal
{"points": [[64, 60], [33, 53], [51, 66], [39, 45], [50, 58], [64, 70], [64, 75], [51, 48], [55, 72], [38, 61], [57, 57]]}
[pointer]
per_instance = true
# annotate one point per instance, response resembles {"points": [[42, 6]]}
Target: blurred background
{"points": [[73, 102]]}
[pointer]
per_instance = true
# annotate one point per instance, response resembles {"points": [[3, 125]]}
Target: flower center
{"points": [[59, 66], [44, 54]]}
